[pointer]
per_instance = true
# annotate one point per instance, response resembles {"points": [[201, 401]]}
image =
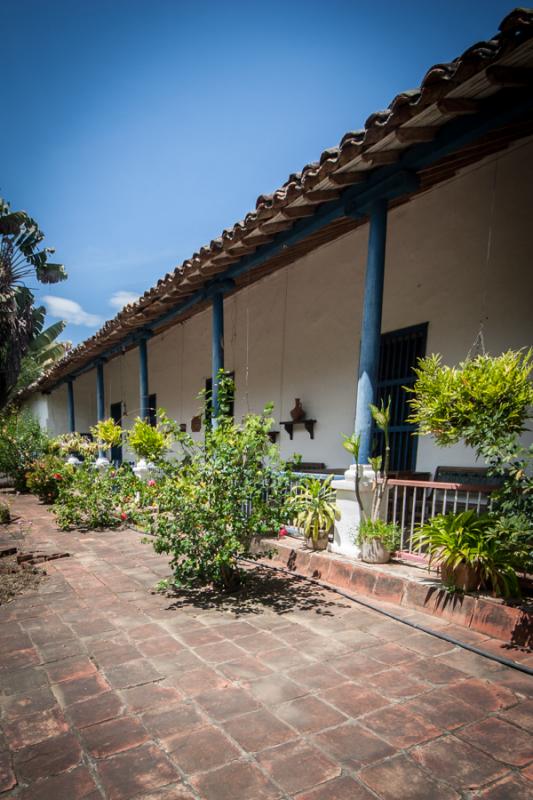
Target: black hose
{"points": [[422, 628]]}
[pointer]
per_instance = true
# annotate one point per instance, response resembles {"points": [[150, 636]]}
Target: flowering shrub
{"points": [[231, 488], [21, 442], [45, 476], [93, 499]]}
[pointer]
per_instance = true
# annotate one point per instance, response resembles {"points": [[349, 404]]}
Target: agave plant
{"points": [[313, 502], [451, 540]]}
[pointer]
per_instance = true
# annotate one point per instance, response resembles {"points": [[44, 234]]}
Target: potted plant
{"points": [[314, 503], [149, 443], [376, 538], [72, 446], [108, 434], [463, 546]]}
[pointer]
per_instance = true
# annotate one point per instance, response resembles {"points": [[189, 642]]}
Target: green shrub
{"points": [[21, 442], [232, 488], [451, 540], [73, 444], [46, 475], [94, 499]]}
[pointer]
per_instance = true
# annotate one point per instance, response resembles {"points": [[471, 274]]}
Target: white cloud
{"points": [[70, 311], [122, 298]]}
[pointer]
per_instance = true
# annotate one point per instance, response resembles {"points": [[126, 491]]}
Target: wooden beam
{"points": [[347, 178], [297, 212], [321, 195], [256, 239], [500, 75], [383, 156], [413, 135], [273, 227], [458, 105]]}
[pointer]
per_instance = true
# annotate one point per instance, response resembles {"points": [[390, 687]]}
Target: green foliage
{"points": [[313, 504], [21, 257], [151, 441], [5, 513], [486, 402], [451, 540], [21, 442], [480, 401], [73, 444], [94, 499], [231, 488], [45, 476], [107, 433], [388, 532]]}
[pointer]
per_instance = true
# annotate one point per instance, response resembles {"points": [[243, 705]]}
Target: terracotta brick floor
{"points": [[110, 691]]}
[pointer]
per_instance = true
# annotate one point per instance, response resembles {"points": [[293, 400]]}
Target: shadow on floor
{"points": [[262, 590]]}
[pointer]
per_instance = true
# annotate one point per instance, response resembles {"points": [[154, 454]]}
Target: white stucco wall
{"points": [[296, 333]]}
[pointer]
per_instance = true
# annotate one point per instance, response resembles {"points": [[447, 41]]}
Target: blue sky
{"points": [[134, 132]]}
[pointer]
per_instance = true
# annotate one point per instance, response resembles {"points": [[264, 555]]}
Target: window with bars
{"points": [[399, 353]]}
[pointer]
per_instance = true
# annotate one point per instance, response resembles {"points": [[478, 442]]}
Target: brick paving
{"points": [[108, 690]]}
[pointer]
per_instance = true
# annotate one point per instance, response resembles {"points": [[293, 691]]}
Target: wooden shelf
{"points": [[308, 424]]}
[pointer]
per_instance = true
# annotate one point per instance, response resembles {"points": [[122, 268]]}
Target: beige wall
{"points": [[296, 333]]}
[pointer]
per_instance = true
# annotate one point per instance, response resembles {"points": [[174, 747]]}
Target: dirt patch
{"points": [[17, 578]]}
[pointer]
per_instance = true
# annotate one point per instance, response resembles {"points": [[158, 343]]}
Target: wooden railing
{"points": [[409, 503]]}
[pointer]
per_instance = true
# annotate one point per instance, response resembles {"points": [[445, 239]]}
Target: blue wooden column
{"points": [[143, 379], [371, 326], [70, 404], [217, 346], [100, 392]]}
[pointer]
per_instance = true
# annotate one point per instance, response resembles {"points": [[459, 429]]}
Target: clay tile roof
{"points": [[332, 167]]}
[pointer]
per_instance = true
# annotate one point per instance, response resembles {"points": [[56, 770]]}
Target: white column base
{"points": [[143, 469], [350, 513]]}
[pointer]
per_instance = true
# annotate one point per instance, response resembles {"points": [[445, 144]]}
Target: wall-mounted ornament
{"points": [[298, 412], [196, 424], [183, 427]]}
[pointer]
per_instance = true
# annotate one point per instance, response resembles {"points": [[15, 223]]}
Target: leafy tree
{"points": [[21, 257]]}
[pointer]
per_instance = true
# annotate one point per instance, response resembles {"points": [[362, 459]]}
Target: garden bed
{"points": [[410, 586]]}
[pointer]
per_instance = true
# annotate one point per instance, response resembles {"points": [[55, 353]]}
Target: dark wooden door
{"points": [[399, 353], [116, 416]]}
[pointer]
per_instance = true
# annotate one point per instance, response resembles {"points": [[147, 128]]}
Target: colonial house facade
{"points": [[412, 237]]}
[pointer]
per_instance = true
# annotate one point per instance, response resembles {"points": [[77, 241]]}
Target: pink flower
{"points": [[282, 532], [123, 516], [151, 482], [57, 476]]}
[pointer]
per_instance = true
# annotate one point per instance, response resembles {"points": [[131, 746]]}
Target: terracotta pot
{"points": [[297, 413], [463, 577], [373, 552], [320, 543]]}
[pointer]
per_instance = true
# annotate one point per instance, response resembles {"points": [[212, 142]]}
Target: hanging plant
{"points": [[484, 399]]}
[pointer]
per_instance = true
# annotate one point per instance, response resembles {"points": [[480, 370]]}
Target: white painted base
{"points": [[102, 462], [350, 513], [143, 469], [73, 461]]}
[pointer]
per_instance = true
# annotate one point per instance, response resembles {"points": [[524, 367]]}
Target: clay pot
{"points": [[320, 543], [297, 413], [373, 552], [463, 577]]}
